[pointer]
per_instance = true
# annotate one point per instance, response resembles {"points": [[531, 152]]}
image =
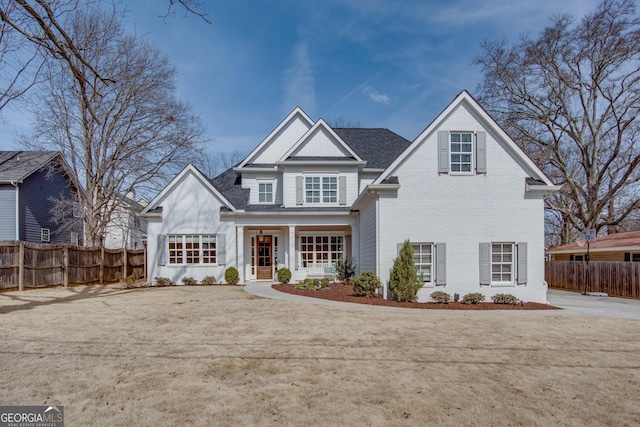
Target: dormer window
{"points": [[265, 192]]}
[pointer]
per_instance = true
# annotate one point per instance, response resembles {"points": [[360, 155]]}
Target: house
{"points": [[623, 246], [126, 229], [29, 180], [469, 200]]}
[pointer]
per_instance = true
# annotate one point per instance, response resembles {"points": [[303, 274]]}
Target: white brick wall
{"points": [[463, 211]]}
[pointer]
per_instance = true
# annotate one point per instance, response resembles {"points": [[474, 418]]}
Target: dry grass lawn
{"points": [[207, 356]]}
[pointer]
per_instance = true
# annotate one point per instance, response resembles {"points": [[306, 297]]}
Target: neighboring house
{"points": [[469, 200], [28, 182], [623, 246], [126, 229]]}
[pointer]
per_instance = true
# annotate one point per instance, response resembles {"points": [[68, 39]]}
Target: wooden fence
{"points": [[28, 265], [615, 278]]}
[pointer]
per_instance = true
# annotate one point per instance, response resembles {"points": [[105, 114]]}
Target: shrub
{"points": [[441, 297], [505, 299], [345, 269], [231, 276], [162, 281], [284, 275], [301, 285], [366, 284], [208, 280], [404, 282], [189, 281], [130, 282], [324, 283], [473, 298]]}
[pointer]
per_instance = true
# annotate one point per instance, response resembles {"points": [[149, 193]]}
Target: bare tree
{"points": [[570, 98], [214, 164], [122, 135], [342, 122], [32, 31]]}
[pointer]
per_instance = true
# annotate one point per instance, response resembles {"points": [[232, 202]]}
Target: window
{"points": [[423, 259], [502, 262], [265, 192], [461, 151], [74, 238], [77, 210], [321, 189], [321, 249], [192, 249], [45, 235]]}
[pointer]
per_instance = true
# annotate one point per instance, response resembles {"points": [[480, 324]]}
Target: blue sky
{"points": [[391, 64]]}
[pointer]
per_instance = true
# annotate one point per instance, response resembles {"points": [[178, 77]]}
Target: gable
{"points": [[320, 142], [283, 137], [186, 184]]}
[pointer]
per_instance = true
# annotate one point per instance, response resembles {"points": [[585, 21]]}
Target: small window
{"points": [[461, 151], [77, 210], [45, 235], [265, 192], [74, 238], [423, 260], [502, 260]]}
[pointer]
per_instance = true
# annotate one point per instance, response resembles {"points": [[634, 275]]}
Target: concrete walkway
{"points": [[572, 303]]}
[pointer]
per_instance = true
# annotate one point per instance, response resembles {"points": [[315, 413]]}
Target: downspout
{"points": [[15, 184], [385, 287]]}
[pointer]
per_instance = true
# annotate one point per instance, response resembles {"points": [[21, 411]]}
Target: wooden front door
{"points": [[265, 259]]}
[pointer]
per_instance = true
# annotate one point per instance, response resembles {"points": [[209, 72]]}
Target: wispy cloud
{"points": [[299, 81], [376, 96]]}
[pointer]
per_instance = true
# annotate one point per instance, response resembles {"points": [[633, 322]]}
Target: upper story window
{"points": [[265, 192], [321, 189], [461, 151]]}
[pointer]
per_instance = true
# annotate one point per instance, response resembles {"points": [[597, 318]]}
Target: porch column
{"points": [[240, 255], [292, 249]]}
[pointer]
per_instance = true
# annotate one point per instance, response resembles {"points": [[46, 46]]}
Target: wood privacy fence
{"points": [[615, 278], [29, 265]]}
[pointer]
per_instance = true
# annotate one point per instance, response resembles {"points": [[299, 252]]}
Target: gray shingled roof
{"points": [[379, 147], [18, 165], [228, 183]]}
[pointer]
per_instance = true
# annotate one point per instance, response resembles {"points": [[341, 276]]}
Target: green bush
{"points": [[324, 283], [301, 285], [345, 269], [404, 281], [162, 281], [473, 298], [231, 276], [130, 282], [208, 280], [366, 284], [284, 275], [189, 281], [441, 297], [505, 299]]}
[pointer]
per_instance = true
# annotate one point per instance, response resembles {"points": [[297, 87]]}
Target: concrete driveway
{"points": [[572, 303], [576, 304]]}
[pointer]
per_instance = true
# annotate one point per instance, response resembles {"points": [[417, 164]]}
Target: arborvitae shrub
{"points": [[404, 282]]}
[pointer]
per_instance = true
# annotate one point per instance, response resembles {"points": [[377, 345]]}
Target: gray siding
{"points": [[7, 212], [36, 204]]}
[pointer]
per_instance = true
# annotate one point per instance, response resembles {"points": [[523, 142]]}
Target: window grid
{"points": [[45, 235], [321, 249], [265, 192], [321, 189], [312, 189], [502, 262], [329, 189], [423, 259], [74, 238], [461, 151], [192, 249]]}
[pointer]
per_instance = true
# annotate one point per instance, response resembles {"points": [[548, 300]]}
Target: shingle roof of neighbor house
{"points": [[18, 165], [379, 147], [612, 241]]}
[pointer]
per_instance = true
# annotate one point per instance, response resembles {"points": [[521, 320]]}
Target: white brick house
{"points": [[469, 200]]}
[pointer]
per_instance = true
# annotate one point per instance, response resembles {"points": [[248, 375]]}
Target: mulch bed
{"points": [[341, 292]]}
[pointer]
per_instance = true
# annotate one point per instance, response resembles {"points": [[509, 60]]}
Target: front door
{"points": [[264, 258]]}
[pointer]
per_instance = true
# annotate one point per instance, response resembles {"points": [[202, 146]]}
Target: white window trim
{"points": [[45, 235], [321, 234], [514, 257], [472, 169], [273, 195], [75, 238], [321, 199], [431, 283], [200, 262]]}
